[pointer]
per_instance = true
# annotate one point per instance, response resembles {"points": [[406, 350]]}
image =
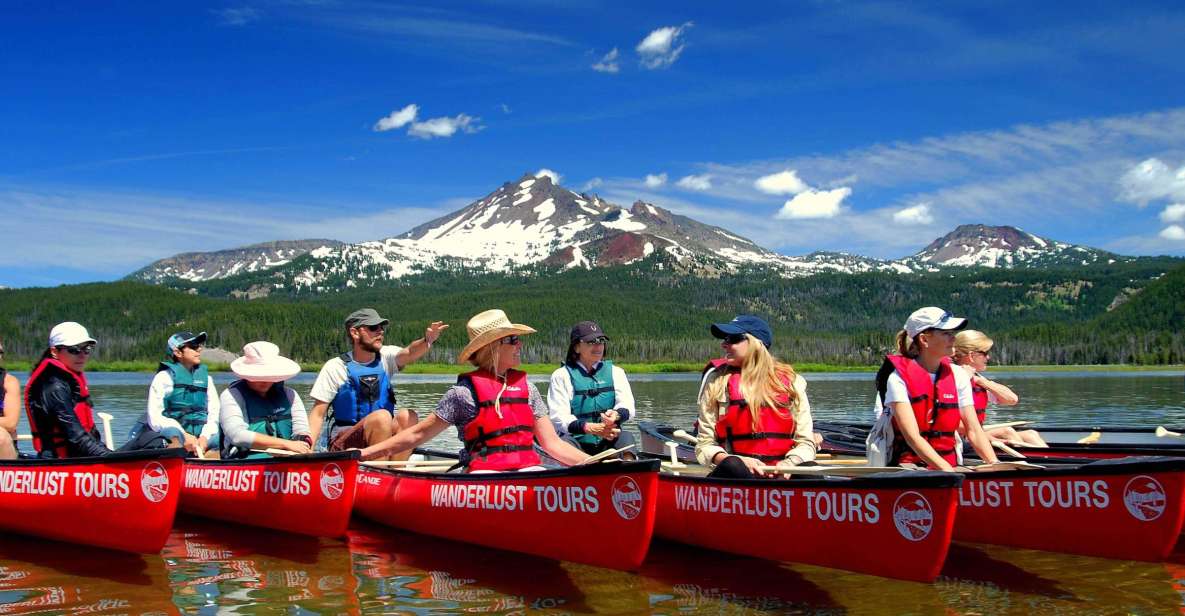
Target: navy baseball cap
{"points": [[745, 324], [181, 339]]}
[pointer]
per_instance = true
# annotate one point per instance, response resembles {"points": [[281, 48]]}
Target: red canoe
{"points": [[1130, 509], [893, 525], [309, 494], [123, 501], [599, 514]]}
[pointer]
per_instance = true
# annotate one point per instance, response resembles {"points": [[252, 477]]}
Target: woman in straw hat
{"points": [[498, 414], [971, 354], [258, 410], [925, 399]]}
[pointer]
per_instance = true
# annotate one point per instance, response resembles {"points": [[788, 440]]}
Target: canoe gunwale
{"points": [[601, 468], [115, 457], [327, 456], [903, 480]]}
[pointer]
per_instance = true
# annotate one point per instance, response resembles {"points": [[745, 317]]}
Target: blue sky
{"points": [[136, 132]]}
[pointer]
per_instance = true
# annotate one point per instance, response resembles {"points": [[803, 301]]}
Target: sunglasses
{"points": [[511, 340], [85, 349], [194, 347], [735, 338], [374, 329], [598, 340]]}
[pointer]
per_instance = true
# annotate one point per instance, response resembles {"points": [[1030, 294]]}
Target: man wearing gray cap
{"points": [[351, 388]]}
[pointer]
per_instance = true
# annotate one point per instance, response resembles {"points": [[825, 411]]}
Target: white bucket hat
{"points": [[487, 327], [261, 361]]}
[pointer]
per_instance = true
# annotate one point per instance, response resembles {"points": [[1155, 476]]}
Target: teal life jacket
{"points": [[187, 403], [270, 415], [592, 394], [367, 389]]}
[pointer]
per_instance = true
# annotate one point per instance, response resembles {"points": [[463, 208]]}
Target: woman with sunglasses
{"points": [[57, 399], [499, 415], [10, 412], [971, 354], [753, 408], [926, 398], [589, 397], [183, 404]]}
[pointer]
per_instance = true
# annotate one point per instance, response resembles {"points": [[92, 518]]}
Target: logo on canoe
{"points": [[333, 481], [154, 481], [627, 497], [1144, 498], [913, 516]]}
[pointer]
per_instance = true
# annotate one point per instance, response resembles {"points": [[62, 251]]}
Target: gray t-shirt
{"points": [[458, 408]]}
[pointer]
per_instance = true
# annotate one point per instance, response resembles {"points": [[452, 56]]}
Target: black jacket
{"points": [[52, 401]]}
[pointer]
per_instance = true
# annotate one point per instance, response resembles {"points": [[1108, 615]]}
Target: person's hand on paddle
{"points": [[610, 418], [191, 444], [298, 447], [754, 465], [434, 331], [601, 430]]}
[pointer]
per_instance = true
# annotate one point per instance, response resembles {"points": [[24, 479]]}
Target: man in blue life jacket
{"points": [[183, 405], [356, 390]]}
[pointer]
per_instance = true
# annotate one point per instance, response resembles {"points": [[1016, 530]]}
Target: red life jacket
{"points": [[712, 364], [935, 408], [53, 437], [774, 435], [503, 443], [980, 396]]}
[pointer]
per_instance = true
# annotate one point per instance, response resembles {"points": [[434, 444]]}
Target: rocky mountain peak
{"points": [[1003, 246]]}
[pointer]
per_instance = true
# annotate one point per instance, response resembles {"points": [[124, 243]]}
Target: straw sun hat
{"points": [[261, 361], [486, 327]]}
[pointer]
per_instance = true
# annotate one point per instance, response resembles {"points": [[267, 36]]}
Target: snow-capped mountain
{"points": [[1004, 247], [198, 266], [535, 222]]}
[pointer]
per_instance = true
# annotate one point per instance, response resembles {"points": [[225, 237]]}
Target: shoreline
{"points": [[629, 367]]}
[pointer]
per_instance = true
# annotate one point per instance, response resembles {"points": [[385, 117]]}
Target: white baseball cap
{"points": [[932, 317], [69, 334]]}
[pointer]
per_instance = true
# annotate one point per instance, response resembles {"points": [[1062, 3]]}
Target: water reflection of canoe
{"points": [[1129, 508], [530, 512], [893, 525], [123, 501], [1100, 442], [308, 494]]}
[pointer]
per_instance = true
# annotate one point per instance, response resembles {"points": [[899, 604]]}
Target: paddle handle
{"points": [[1008, 450], [1162, 432], [608, 453], [24, 437], [1007, 424], [684, 436], [107, 417]]}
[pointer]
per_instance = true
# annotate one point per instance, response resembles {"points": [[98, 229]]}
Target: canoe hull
{"points": [[885, 525], [125, 501], [1112, 509], [533, 512], [308, 495]]}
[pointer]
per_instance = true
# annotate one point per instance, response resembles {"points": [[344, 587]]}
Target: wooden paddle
{"points": [[1007, 424], [409, 464], [275, 452], [1162, 432], [691, 440], [1008, 450], [1006, 466], [107, 417], [847, 471], [608, 453]]}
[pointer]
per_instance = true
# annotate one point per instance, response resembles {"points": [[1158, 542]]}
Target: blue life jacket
{"points": [[592, 394], [367, 388], [187, 403], [271, 414]]}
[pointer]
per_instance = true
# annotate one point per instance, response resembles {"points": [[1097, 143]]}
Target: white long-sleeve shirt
{"points": [[559, 397], [234, 425], [162, 386]]}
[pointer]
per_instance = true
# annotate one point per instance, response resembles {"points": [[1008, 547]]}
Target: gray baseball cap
{"points": [[364, 318]]}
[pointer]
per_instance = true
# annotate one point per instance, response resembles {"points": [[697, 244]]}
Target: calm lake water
{"points": [[219, 568]]}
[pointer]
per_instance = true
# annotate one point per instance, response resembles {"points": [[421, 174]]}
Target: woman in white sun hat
{"points": [[925, 398], [499, 415], [258, 410]]}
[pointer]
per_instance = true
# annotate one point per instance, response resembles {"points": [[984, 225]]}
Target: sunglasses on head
{"points": [[735, 338], [511, 340], [85, 349]]}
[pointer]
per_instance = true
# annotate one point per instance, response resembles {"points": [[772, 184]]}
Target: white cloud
{"points": [[1152, 180], [555, 177], [591, 184], [444, 127], [696, 182], [813, 203], [914, 215], [239, 16], [783, 183], [1173, 232], [398, 118], [654, 181], [1173, 213], [505, 108], [607, 63], [662, 47]]}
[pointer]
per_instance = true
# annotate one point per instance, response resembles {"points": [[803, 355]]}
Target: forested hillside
{"points": [[1124, 313]]}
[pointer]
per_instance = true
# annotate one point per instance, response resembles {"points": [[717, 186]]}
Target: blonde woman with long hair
{"points": [[753, 408], [499, 415], [972, 354]]}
